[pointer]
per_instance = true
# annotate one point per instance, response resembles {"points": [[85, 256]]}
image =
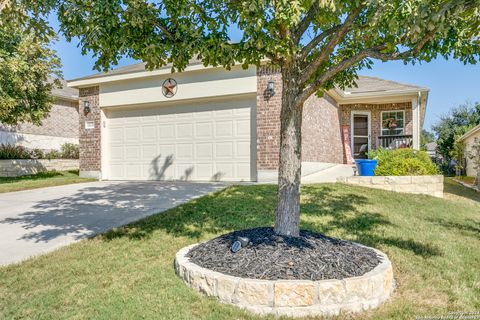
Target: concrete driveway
{"points": [[37, 221]]}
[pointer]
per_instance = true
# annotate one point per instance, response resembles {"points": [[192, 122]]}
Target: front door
{"points": [[360, 134]]}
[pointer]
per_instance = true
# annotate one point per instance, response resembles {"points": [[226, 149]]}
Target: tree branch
{"points": [[316, 40], [373, 52], [164, 30], [303, 25], [310, 70]]}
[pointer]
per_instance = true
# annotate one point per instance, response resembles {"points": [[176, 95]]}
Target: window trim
{"points": [[381, 122]]}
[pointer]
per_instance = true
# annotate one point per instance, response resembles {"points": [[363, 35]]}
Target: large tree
{"points": [[318, 44], [454, 124], [28, 67]]}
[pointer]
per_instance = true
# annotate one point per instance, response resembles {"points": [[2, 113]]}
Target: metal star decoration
{"points": [[169, 87]]}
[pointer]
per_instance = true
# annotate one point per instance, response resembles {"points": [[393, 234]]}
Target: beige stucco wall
{"points": [[469, 141], [198, 84]]}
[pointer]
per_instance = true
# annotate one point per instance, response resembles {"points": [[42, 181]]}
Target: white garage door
{"points": [[182, 142]]}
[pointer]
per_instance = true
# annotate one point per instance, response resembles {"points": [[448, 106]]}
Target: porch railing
{"points": [[396, 142]]}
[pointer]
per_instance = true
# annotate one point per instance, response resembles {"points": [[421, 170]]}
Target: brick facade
{"points": [[376, 121], [321, 134], [61, 122], [268, 118], [90, 139]]}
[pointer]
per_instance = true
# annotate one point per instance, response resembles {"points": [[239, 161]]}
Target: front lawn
{"points": [[40, 180], [128, 273]]}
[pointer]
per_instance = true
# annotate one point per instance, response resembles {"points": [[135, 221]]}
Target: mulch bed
{"points": [[311, 256]]}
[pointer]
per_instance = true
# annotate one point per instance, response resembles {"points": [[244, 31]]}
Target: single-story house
{"points": [[470, 138], [208, 123], [61, 125]]}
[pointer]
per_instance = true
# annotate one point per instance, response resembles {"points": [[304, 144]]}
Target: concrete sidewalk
{"points": [[329, 174], [40, 220]]}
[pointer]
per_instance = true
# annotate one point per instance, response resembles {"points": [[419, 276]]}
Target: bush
{"points": [[37, 154], [52, 154], [8, 151], [70, 151], [11, 152], [403, 162]]}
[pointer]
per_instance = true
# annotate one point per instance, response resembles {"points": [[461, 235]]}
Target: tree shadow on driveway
{"points": [[94, 209]]}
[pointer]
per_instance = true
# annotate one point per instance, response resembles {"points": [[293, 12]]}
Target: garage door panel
{"points": [[116, 170], [203, 142], [184, 151], [116, 135], [224, 170], [117, 153], [243, 169], [149, 151], [242, 112], [184, 130], [242, 128], [184, 171], [224, 150], [203, 114], [242, 149], [166, 150], [204, 171], [223, 129], [204, 150], [226, 113], [132, 153], [132, 134], [203, 130], [132, 171], [149, 132], [166, 131]]}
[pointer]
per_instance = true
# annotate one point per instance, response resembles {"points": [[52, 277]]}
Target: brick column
{"points": [[90, 138], [268, 122]]}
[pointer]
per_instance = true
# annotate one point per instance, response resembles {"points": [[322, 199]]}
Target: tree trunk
{"points": [[289, 171]]}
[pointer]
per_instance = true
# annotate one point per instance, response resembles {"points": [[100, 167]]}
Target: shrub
{"points": [[70, 151], [52, 154], [8, 151], [402, 162], [37, 154]]}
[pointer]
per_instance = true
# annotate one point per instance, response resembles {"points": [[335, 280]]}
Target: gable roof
{"points": [[367, 84], [470, 132], [132, 68], [65, 92]]}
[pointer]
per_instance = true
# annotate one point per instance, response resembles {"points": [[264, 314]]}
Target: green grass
{"points": [[40, 180], [469, 180], [128, 273]]}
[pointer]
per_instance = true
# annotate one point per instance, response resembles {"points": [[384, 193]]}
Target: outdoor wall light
{"points": [[270, 88], [86, 106]]}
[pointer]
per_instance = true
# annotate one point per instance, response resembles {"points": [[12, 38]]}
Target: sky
{"points": [[451, 83]]}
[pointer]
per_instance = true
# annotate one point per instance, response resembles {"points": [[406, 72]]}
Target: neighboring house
{"points": [[61, 125], [471, 137], [207, 123]]}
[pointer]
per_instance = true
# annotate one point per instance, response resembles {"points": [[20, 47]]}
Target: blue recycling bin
{"points": [[366, 167]]}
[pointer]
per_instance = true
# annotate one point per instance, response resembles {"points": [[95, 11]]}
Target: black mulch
{"points": [[312, 256]]}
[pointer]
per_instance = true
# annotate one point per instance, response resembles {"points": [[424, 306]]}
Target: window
{"points": [[393, 123]]}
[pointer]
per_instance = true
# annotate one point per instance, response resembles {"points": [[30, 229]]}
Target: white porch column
{"points": [[416, 123]]}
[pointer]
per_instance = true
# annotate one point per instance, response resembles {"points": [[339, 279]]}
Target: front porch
{"points": [[379, 125]]}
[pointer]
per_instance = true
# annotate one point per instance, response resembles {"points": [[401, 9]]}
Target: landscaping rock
{"points": [[311, 256]]}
